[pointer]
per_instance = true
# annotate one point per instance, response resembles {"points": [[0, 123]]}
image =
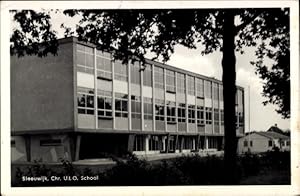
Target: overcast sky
{"points": [[261, 117]]}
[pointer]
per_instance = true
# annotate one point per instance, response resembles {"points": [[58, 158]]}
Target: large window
{"points": [[200, 116], [207, 89], [170, 81], [159, 110], [180, 83], [241, 119], [148, 108], [216, 120], [215, 91], [159, 77], [222, 117], [155, 143], [139, 143], [135, 73], [104, 103], [221, 92], [191, 85], [181, 112], [191, 113], [135, 106], [121, 71], [147, 77], [85, 100], [188, 143], [85, 59], [208, 115], [171, 112], [200, 87], [121, 105], [104, 65]]}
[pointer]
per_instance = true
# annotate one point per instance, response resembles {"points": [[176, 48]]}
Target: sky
{"points": [[261, 117]]}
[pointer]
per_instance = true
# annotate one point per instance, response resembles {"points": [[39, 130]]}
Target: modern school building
{"points": [[82, 104]]}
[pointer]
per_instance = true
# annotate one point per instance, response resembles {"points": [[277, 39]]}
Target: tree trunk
{"points": [[229, 90]]}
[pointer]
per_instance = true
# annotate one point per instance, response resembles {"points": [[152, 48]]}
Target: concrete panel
{"points": [[120, 86], [191, 99], [148, 125], [217, 129], [121, 123], [147, 91], [208, 102], [201, 129], [180, 97], [222, 105], [208, 129], [42, 91], [200, 102], [159, 125], [181, 127], [85, 80], [222, 129], [104, 85], [216, 104], [18, 153], [135, 89], [86, 121], [192, 128], [136, 124], [105, 123], [170, 97], [171, 127], [159, 93]]}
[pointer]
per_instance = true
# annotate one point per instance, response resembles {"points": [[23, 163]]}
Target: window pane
{"points": [[80, 58], [89, 60], [81, 100]]}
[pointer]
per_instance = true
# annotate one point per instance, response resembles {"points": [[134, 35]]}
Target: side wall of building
{"points": [[42, 91], [259, 144]]}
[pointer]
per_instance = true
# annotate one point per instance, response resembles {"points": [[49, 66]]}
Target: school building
{"points": [[82, 104]]}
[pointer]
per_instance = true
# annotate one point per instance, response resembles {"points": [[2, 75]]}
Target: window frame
{"points": [[88, 96], [122, 99], [106, 95], [191, 113], [170, 81], [159, 78], [171, 112], [102, 72], [159, 110], [120, 71], [85, 50]]}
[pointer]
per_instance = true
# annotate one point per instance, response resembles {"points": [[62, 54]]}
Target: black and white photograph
{"points": [[153, 95]]}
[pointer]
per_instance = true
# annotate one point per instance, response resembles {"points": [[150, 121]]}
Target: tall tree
{"points": [[133, 33]]}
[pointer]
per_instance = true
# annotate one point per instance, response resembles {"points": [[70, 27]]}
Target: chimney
{"points": [[275, 124]]}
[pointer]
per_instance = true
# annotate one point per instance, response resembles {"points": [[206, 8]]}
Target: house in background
{"points": [[256, 142]]}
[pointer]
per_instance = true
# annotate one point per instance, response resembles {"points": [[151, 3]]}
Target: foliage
{"points": [[133, 33], [184, 170], [35, 36]]}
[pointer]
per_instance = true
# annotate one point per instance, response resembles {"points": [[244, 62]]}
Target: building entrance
{"points": [[103, 145]]}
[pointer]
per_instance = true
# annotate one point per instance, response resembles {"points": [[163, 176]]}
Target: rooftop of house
{"points": [[272, 135], [275, 129]]}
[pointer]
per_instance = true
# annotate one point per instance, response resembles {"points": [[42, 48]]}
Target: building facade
{"points": [[82, 104], [257, 142]]}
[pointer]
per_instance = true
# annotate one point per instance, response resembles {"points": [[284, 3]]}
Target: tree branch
{"points": [[246, 22]]}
